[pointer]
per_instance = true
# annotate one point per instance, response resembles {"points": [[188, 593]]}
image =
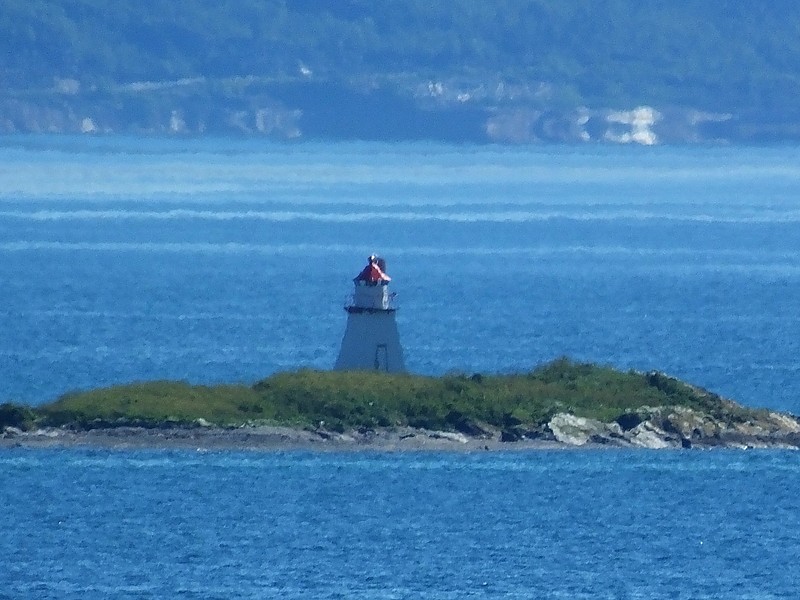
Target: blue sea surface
{"points": [[126, 259], [551, 524], [213, 260]]}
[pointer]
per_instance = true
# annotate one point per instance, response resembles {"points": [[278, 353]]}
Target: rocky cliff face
{"points": [[395, 109]]}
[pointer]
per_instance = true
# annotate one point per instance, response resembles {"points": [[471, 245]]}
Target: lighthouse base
{"points": [[371, 343]]}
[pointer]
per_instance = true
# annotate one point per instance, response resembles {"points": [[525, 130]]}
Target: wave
{"points": [[209, 175], [62, 313], [694, 254], [753, 216]]}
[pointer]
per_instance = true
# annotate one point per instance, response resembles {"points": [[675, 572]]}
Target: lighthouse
{"points": [[371, 341]]}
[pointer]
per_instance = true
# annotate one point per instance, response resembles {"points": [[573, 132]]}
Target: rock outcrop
{"points": [[673, 427]]}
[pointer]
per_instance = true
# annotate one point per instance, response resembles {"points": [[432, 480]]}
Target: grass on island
{"points": [[341, 400]]}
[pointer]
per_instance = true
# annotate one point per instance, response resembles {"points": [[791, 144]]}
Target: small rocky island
{"points": [[562, 404]]}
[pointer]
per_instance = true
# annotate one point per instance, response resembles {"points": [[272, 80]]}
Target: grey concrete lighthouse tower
{"points": [[371, 341]]}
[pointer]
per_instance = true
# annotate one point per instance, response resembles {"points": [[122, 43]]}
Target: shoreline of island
{"points": [[267, 438], [258, 438]]}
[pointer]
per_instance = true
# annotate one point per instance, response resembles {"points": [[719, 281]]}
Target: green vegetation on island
{"points": [[339, 401]]}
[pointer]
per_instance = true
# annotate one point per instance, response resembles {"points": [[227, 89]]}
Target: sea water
{"points": [[550, 524], [207, 260], [225, 261]]}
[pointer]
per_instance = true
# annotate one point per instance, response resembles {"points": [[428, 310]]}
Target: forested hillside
{"points": [[477, 57]]}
